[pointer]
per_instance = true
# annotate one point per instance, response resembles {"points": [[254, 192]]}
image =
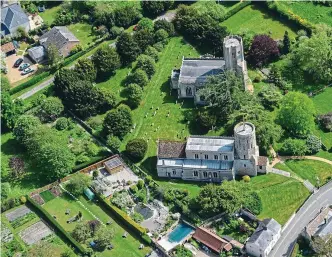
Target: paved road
{"points": [[308, 211]]}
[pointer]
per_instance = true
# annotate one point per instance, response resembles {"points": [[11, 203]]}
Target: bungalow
{"points": [[12, 18]]}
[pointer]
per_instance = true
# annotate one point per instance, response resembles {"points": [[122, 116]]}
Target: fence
{"points": [[280, 172]]}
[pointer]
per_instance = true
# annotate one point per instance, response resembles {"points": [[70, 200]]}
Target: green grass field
{"points": [[252, 18], [314, 13], [281, 196], [310, 170], [47, 196], [49, 15], [83, 32], [322, 101]]}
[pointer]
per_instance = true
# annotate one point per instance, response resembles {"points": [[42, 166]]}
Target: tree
{"points": [[294, 147], [135, 95], [5, 85], [143, 38], [42, 249], [152, 8], [138, 77], [164, 24], [181, 251], [118, 121], [313, 55], [17, 166], [263, 50], [314, 144], [276, 79], [206, 118], [146, 24], [62, 123], [270, 97], [137, 148], [50, 109], [24, 127], [81, 232], [10, 111], [53, 55], [161, 35], [113, 142], [297, 114], [5, 190], [106, 61], [86, 70], [103, 238], [126, 16], [147, 64], [108, 99], [94, 226], [78, 183], [325, 120], [140, 184], [286, 43], [127, 48], [323, 246], [152, 52]]}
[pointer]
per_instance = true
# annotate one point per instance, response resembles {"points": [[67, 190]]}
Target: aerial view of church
{"points": [[156, 128]]}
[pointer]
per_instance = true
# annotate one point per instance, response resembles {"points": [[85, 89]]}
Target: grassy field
{"points": [[192, 187], [49, 15], [322, 101], [310, 170], [252, 18], [281, 196], [122, 246], [83, 32], [314, 13]]}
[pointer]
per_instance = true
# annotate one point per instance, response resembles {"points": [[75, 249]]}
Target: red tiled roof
{"points": [[262, 161], [8, 47], [211, 240], [171, 149]]}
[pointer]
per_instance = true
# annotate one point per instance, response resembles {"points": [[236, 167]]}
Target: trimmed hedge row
{"points": [[57, 225], [234, 10], [126, 220], [289, 15]]}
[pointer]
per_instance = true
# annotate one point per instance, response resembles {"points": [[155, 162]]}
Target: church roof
{"points": [[171, 149], [210, 144], [198, 69]]}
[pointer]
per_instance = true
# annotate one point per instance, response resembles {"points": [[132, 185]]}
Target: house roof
{"points": [[262, 161], [37, 52], [13, 16], [211, 240], [198, 69], [8, 47], [58, 36], [321, 225], [171, 149], [264, 233], [113, 163], [210, 144]]}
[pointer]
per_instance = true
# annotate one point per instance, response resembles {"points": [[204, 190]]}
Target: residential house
{"points": [[264, 238], [12, 18]]}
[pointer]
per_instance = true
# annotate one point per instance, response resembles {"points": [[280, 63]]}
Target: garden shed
{"points": [[89, 194]]}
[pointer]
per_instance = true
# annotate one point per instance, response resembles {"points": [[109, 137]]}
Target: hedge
{"points": [[30, 82], [234, 10], [57, 225], [125, 219]]}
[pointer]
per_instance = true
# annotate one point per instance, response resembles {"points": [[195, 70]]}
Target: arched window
{"points": [[189, 91]]}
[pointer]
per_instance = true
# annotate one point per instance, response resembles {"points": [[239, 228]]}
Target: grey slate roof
{"points": [[37, 52], [210, 144], [13, 16], [196, 163], [198, 69], [264, 233], [59, 36]]}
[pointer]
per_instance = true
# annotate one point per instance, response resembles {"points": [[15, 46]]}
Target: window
{"points": [[215, 174], [174, 172], [205, 174], [196, 156], [168, 174], [261, 167], [195, 173], [206, 157], [244, 156], [189, 91], [244, 165], [216, 157], [226, 157]]}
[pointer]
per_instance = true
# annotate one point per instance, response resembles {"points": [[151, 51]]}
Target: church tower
{"points": [[246, 149], [233, 53]]}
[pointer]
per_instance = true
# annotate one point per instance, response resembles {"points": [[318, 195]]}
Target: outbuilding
{"points": [[37, 54], [8, 48]]}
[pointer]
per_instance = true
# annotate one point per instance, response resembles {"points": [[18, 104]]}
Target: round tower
{"points": [[245, 141], [233, 52]]}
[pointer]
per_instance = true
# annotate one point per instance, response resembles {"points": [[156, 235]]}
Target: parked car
{"points": [[18, 62], [24, 66], [27, 71]]}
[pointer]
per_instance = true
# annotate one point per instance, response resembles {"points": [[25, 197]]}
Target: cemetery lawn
{"points": [[281, 196], [312, 12], [310, 170], [83, 32], [49, 15], [254, 18]]}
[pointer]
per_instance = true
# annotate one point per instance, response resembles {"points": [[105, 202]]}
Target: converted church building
{"points": [[194, 71], [210, 158]]}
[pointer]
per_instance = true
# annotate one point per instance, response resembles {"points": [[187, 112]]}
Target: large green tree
{"points": [[50, 109], [106, 60], [147, 64], [297, 114], [78, 183], [127, 48], [24, 127], [135, 95], [86, 69]]}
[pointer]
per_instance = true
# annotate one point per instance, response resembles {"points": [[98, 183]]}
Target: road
{"points": [[308, 211]]}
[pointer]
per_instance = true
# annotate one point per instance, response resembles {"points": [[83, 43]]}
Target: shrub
{"points": [[115, 31], [145, 23], [113, 142], [140, 184], [135, 95], [76, 49], [152, 52], [325, 120], [77, 184], [23, 199], [161, 35], [165, 25], [147, 64], [5, 190], [148, 179], [133, 189], [61, 123], [137, 148], [246, 178], [314, 144], [138, 77], [295, 147]]}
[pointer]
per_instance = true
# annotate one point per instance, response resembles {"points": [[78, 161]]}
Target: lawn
{"points": [[310, 170], [322, 101], [49, 15], [83, 32], [281, 196], [192, 187], [253, 18], [47, 196], [314, 13]]}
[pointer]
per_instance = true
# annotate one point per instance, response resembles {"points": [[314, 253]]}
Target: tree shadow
{"points": [[149, 165]]}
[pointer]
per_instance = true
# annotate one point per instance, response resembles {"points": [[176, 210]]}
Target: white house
{"points": [[264, 238]]}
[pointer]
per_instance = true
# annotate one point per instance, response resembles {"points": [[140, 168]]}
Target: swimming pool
{"points": [[180, 232]]}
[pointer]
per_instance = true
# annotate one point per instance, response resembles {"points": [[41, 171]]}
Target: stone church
{"points": [[194, 71], [212, 159]]}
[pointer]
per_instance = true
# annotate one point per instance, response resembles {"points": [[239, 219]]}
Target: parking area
{"points": [[14, 74]]}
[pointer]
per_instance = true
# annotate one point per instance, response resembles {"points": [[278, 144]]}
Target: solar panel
{"points": [[113, 163]]}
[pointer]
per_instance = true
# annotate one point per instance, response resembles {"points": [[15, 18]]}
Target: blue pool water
{"points": [[180, 232]]}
